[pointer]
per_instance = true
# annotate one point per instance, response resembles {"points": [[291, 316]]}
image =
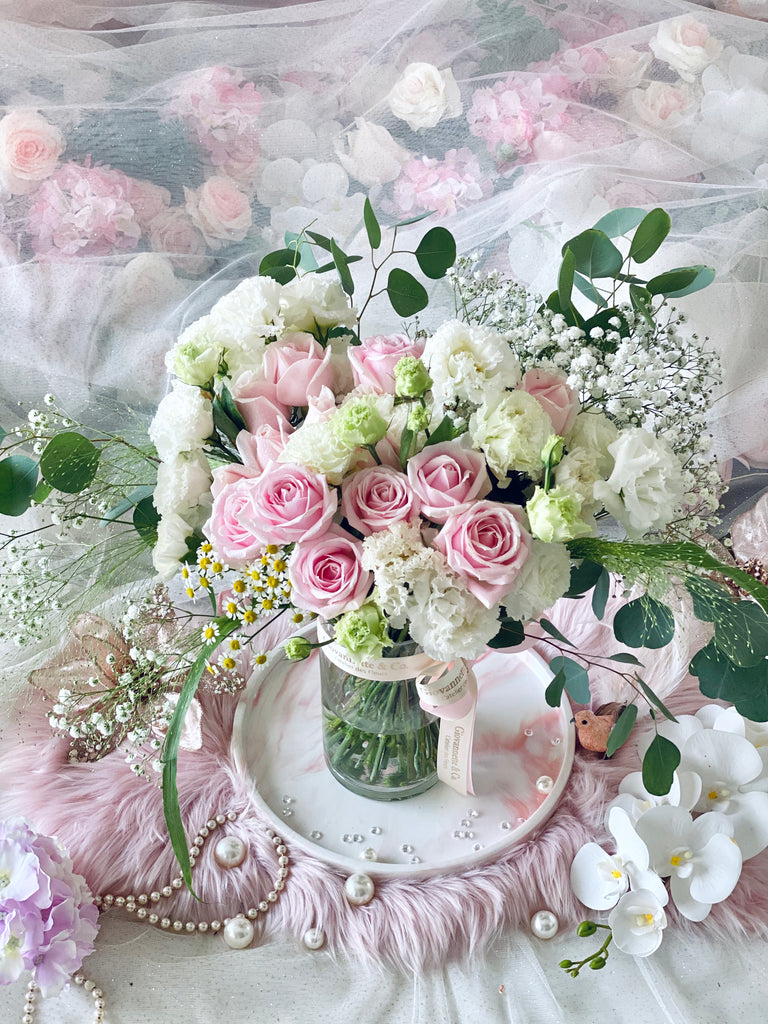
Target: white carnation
{"points": [[447, 620], [317, 447], [594, 431], [184, 486], [195, 356], [511, 430], [469, 363], [578, 473], [184, 419], [244, 320], [647, 484], [544, 577], [171, 546], [314, 300]]}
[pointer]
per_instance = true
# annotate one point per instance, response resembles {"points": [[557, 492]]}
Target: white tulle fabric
{"points": [[194, 134]]}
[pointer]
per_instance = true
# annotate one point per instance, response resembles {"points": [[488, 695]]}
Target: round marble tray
{"points": [[523, 752]]}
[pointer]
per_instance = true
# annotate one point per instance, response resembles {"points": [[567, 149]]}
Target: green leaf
{"points": [[171, 808], [603, 319], [444, 431], [595, 254], [588, 289], [18, 483], [280, 274], [406, 440], [675, 283], [565, 279], [571, 314], [553, 694], [229, 406], [659, 764], [413, 220], [720, 679], [436, 252], [145, 520], [41, 492], [619, 222], [278, 258], [128, 502], [641, 300], [583, 577], [547, 626], [332, 266], [644, 622], [600, 594], [651, 232], [372, 226], [655, 700], [405, 293], [321, 240], [340, 261], [226, 416], [576, 678], [295, 242], [70, 462], [510, 634], [741, 633], [622, 728], [625, 659]]}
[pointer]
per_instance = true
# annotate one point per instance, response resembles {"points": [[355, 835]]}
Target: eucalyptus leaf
{"points": [[741, 633], [41, 492], [436, 252], [583, 577], [18, 484], [600, 594], [675, 283], [511, 634], [553, 694], [413, 220], [278, 258], [70, 462], [654, 699], [565, 278], [588, 289], [720, 679], [595, 254], [659, 765], [321, 240], [406, 440], [644, 622], [620, 222], [444, 431], [622, 728], [340, 261], [129, 501], [547, 626], [641, 300], [576, 678], [145, 520], [282, 274], [651, 232], [405, 293], [624, 658], [372, 226]]}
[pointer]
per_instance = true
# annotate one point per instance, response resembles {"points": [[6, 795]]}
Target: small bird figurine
{"points": [[594, 727]]}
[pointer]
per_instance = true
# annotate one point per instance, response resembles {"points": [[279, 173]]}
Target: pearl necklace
{"points": [[237, 931]]}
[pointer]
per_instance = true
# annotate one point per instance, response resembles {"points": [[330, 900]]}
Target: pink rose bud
{"points": [[289, 503], [559, 402], [263, 446], [447, 478], [257, 402], [377, 497], [373, 362], [233, 540], [487, 546], [327, 575], [299, 367]]}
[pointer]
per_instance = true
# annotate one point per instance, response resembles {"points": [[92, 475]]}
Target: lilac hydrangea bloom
{"points": [[48, 921]]}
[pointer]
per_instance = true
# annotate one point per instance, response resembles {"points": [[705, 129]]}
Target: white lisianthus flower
{"points": [[647, 485], [373, 157], [544, 577], [637, 923], [315, 301], [195, 356], [595, 432], [511, 430], [316, 446], [184, 419], [470, 363], [577, 473], [244, 320], [701, 858], [171, 546], [184, 486], [686, 45], [422, 96]]}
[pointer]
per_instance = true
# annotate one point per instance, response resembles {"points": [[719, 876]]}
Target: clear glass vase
{"points": [[377, 739]]}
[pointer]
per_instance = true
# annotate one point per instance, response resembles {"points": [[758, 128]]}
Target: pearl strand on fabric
{"points": [[141, 904], [28, 1017]]}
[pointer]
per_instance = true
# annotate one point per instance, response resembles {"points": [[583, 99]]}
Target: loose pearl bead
{"points": [[544, 924], [359, 889], [314, 938], [230, 852], [238, 933]]}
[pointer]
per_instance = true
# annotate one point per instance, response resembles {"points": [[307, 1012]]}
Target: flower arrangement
{"points": [[49, 920], [444, 486]]}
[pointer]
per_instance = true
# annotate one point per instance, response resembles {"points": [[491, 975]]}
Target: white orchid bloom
{"points": [[701, 859], [637, 922], [600, 879], [635, 799], [731, 771], [712, 716]]}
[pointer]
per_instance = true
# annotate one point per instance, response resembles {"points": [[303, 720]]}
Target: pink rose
{"points": [[173, 232], [147, 199], [375, 498], [290, 503], [327, 575], [373, 362], [257, 402], [447, 478], [233, 540], [487, 546], [263, 446], [299, 367], [220, 210], [558, 401], [230, 473], [29, 150]]}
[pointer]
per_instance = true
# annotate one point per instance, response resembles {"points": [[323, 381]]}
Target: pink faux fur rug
{"points": [[113, 826]]}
